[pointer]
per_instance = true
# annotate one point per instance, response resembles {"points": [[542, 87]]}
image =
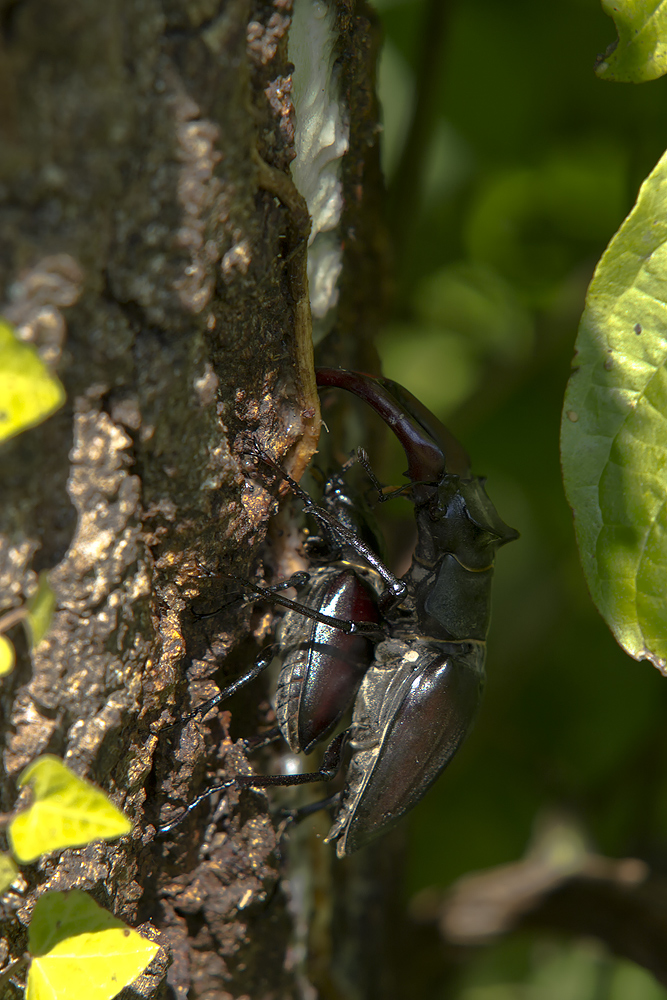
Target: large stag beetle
{"points": [[421, 686]]}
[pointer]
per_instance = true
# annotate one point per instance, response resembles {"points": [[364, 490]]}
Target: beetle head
{"points": [[461, 519]]}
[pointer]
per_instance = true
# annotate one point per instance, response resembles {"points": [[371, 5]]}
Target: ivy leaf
{"points": [[66, 812], [7, 656], [28, 391], [614, 429], [640, 54], [8, 871], [40, 610], [80, 950]]}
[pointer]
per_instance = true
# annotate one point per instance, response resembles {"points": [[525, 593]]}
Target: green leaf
{"points": [[40, 610], [640, 53], [614, 429], [28, 391], [66, 812], [80, 950], [8, 871], [7, 656]]}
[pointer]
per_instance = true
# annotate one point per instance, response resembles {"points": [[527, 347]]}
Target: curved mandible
{"points": [[456, 457], [430, 448]]}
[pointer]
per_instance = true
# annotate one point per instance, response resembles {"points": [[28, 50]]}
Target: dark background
{"points": [[519, 169]]}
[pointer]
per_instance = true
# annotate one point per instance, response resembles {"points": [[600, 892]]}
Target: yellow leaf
{"points": [[8, 871], [66, 812], [7, 656], [28, 391], [81, 950]]}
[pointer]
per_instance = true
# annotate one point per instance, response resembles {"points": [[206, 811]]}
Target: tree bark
{"points": [[153, 249]]}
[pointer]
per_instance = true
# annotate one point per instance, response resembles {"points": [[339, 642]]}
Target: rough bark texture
{"points": [[152, 247]]}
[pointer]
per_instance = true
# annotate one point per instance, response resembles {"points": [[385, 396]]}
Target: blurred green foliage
{"points": [[522, 969], [498, 213]]}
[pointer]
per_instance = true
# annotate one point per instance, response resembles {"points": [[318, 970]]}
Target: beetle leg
{"points": [[262, 662], [295, 581], [371, 629], [328, 769], [270, 595], [193, 805], [330, 766], [296, 815], [383, 492], [342, 624], [396, 587], [364, 462], [361, 628], [262, 739]]}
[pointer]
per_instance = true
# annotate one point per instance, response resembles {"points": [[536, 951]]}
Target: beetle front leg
{"points": [[294, 582], [396, 587], [260, 665], [383, 492], [371, 629]]}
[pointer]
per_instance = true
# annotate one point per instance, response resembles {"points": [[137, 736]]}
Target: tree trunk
{"points": [[154, 250]]}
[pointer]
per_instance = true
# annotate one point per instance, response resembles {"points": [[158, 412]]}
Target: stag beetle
{"points": [[421, 689], [419, 698], [323, 663]]}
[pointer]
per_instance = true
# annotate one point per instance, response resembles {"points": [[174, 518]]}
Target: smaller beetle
{"points": [[322, 666], [325, 645]]}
